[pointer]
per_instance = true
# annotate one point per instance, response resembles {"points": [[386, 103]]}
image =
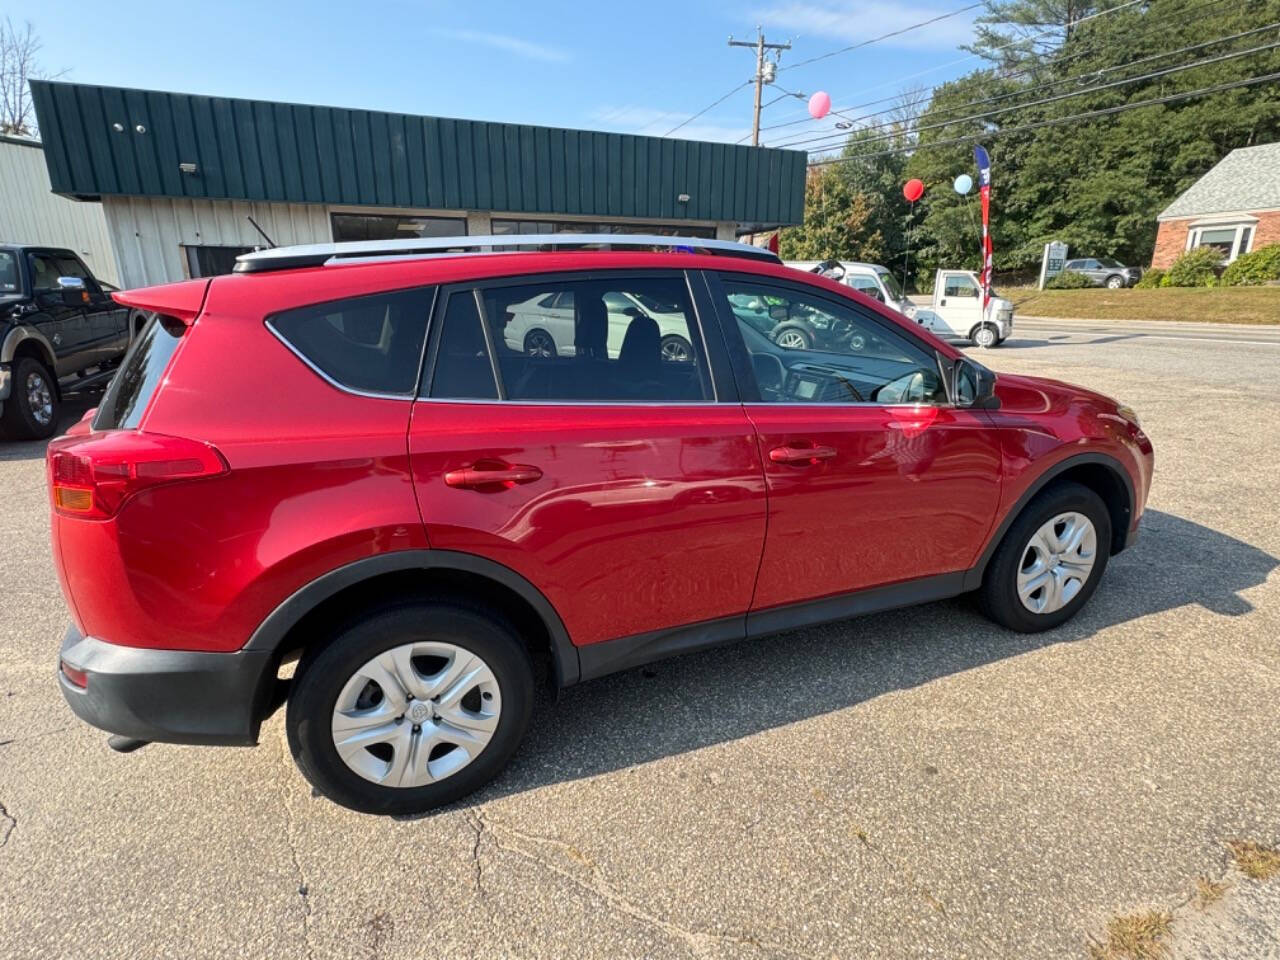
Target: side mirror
{"points": [[974, 386], [633, 312], [73, 291]]}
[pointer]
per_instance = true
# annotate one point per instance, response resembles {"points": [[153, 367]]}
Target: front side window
{"points": [[868, 286], [44, 272], [610, 340], [959, 285], [371, 344], [814, 350]]}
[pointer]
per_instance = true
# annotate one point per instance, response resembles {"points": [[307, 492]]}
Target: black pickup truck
{"points": [[60, 331]]}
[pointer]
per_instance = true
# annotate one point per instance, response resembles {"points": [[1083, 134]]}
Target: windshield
{"points": [[1108, 262], [890, 283], [8, 272]]}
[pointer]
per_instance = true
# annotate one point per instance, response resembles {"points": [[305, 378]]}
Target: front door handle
{"points": [[942, 302], [492, 473], [801, 456]]}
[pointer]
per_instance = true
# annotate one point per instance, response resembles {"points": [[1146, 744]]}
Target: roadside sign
{"points": [[1055, 255]]}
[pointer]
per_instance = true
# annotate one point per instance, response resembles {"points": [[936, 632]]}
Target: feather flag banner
{"points": [[984, 188]]}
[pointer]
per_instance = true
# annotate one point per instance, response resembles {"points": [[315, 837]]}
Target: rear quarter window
{"points": [[369, 344], [140, 373]]}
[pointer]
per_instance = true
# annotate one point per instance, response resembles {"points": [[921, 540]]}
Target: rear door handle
{"points": [[801, 456], [490, 474]]}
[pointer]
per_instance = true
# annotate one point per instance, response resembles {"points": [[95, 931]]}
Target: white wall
{"points": [[31, 213], [149, 232]]}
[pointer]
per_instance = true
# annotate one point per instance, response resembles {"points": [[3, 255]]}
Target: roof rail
{"points": [[365, 251]]}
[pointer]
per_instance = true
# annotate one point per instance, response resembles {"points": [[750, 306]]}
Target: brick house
{"points": [[1235, 208]]}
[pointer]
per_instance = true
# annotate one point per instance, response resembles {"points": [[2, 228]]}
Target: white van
{"points": [[869, 278]]}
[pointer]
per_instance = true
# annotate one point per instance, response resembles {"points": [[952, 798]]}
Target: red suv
{"points": [[416, 473]]}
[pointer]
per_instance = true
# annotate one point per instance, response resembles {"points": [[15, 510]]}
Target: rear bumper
{"points": [[172, 696]]}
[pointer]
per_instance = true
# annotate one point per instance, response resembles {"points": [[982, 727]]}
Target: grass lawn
{"points": [[1198, 304]]}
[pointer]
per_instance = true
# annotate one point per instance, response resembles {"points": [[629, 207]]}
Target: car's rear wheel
{"points": [[31, 411], [1050, 561], [1115, 282], [539, 343], [676, 349], [411, 707]]}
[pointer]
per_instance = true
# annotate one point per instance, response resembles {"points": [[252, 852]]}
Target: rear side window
{"points": [[625, 339], [131, 389], [372, 344]]}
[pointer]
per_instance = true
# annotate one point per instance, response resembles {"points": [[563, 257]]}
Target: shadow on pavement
{"points": [[721, 695], [73, 408]]}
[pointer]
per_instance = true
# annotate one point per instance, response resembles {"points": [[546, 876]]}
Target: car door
{"points": [[615, 483], [960, 305], [106, 322], [874, 477], [62, 319]]}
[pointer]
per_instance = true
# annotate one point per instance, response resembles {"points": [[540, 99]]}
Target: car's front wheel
{"points": [[1050, 560], [793, 338], [1115, 282], [985, 336], [411, 707], [31, 412]]}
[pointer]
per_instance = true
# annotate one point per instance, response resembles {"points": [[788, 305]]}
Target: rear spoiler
{"points": [[182, 300]]}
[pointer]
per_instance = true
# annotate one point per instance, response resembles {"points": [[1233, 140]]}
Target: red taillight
{"points": [[92, 476], [77, 678]]}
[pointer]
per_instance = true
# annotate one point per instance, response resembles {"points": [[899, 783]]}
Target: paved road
{"points": [[911, 784]]}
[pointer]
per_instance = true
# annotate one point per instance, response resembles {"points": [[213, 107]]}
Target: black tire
{"points": [[538, 340], [320, 678], [797, 336], [998, 595], [20, 420], [676, 349], [1114, 282]]}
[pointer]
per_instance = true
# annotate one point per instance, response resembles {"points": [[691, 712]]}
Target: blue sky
{"points": [[637, 66]]}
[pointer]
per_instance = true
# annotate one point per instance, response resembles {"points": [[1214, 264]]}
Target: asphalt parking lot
{"points": [[917, 783]]}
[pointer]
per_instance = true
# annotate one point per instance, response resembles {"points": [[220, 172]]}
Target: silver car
{"points": [[1105, 272]]}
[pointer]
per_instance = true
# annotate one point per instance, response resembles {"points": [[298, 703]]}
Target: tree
{"points": [[835, 222], [18, 64]]}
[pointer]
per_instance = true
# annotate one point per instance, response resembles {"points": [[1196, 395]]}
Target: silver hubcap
{"points": [[539, 345], [986, 337], [39, 399], [416, 714], [791, 340], [675, 352], [1057, 562]]}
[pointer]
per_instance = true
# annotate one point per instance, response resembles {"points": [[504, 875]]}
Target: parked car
{"points": [[59, 330], [545, 325], [872, 279], [415, 510], [956, 313], [1105, 272]]}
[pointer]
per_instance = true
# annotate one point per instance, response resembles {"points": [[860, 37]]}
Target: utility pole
{"points": [[765, 73]]}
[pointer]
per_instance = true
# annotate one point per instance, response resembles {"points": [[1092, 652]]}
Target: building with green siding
{"points": [[178, 176]]}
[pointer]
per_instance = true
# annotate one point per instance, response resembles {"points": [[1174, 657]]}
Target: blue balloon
{"points": [[963, 184]]}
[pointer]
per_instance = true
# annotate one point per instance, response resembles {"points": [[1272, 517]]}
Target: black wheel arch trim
{"points": [[973, 577], [272, 631]]}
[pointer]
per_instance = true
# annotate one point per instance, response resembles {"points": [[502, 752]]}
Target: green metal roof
{"points": [[294, 153]]}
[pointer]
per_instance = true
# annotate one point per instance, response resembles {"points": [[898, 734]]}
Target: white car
{"points": [[543, 326], [872, 279]]}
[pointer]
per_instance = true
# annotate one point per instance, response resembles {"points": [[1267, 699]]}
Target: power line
{"points": [[951, 63], [710, 106], [885, 36], [1177, 68], [1056, 121], [924, 97]]}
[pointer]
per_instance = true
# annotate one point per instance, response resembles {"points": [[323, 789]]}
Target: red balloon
{"points": [[913, 190]]}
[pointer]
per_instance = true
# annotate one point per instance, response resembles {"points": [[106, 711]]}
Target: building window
{"points": [[1229, 239], [502, 227], [212, 261], [381, 226]]}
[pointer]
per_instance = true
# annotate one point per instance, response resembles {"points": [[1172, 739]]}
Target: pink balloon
{"points": [[819, 105]]}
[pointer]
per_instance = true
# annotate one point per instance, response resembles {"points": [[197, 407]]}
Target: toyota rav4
{"points": [[335, 479]]}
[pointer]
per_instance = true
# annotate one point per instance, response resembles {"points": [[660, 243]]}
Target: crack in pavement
{"points": [[303, 889], [8, 824], [700, 943]]}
